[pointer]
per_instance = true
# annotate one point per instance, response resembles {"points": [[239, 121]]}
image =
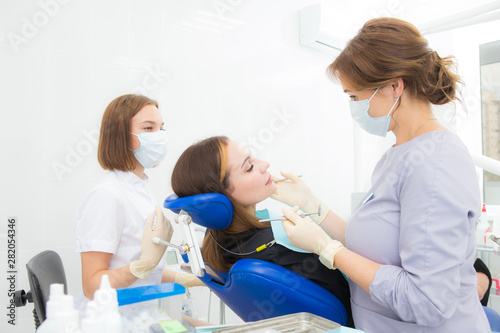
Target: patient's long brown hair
{"points": [[202, 168]]}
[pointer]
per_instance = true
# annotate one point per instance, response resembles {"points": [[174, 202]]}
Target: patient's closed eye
{"points": [[250, 169]]}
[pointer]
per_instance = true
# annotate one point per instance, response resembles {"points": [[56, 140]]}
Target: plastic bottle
{"points": [[187, 307], [67, 318], [107, 301], [482, 228], [93, 321], [53, 306]]}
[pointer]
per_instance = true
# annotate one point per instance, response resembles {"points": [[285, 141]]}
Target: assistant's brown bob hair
{"points": [[113, 152], [202, 168], [388, 48]]}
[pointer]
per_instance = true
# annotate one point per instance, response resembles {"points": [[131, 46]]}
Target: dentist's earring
{"points": [[395, 98]]}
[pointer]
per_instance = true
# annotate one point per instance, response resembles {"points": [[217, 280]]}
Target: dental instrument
{"points": [[182, 249], [301, 214], [282, 179], [154, 223], [495, 239]]}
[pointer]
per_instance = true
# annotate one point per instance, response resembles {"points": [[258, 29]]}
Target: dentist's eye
{"points": [[251, 168], [353, 98]]}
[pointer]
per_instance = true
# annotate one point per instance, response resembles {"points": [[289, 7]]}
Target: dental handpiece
{"points": [[182, 249], [301, 214]]}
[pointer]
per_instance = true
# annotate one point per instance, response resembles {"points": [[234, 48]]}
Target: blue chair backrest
{"points": [[211, 210], [256, 289]]}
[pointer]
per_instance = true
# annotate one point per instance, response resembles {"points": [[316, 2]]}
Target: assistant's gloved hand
{"points": [[152, 253], [304, 234], [187, 280], [296, 193]]}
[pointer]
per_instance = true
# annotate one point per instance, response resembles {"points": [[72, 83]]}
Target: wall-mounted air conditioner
{"points": [[311, 34]]}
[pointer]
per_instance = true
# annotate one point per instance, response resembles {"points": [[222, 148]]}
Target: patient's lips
{"points": [[269, 181]]}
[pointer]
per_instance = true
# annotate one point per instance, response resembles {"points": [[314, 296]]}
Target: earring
{"points": [[395, 98]]}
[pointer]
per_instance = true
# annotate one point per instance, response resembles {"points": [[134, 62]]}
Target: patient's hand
{"points": [[482, 284]]}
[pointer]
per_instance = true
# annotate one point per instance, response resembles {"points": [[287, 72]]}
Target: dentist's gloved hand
{"points": [[152, 253], [308, 236], [296, 193]]}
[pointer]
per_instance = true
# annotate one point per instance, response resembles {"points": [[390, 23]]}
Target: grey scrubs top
{"points": [[420, 225]]}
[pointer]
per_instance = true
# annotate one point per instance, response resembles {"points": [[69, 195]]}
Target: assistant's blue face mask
{"points": [[153, 148], [377, 126]]}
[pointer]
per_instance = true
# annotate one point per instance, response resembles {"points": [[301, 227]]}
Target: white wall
{"points": [[229, 75]]}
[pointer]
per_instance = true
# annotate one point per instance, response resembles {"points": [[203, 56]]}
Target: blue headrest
{"points": [[211, 210]]}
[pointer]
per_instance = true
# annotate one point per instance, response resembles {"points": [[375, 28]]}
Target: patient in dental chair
{"points": [[220, 165]]}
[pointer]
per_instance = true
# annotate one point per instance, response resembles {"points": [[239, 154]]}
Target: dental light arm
{"points": [[486, 163]]}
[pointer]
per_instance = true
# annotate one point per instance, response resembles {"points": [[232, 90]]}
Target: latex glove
{"points": [[304, 234], [152, 253], [187, 280], [295, 192]]}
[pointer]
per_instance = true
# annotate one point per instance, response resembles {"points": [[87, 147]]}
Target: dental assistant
{"points": [[115, 222], [408, 248]]}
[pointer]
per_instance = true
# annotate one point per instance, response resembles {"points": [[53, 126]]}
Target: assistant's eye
{"points": [[251, 168], [148, 128], [353, 97]]}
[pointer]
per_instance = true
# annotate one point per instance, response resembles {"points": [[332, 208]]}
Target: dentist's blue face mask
{"points": [[377, 126], [153, 148]]}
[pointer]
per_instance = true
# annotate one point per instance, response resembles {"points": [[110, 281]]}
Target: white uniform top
{"points": [[111, 219]]}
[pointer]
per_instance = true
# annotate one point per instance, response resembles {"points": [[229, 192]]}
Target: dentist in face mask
{"points": [[119, 217], [408, 248]]}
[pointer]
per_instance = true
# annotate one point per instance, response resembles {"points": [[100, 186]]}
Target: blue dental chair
{"points": [[255, 289]]}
